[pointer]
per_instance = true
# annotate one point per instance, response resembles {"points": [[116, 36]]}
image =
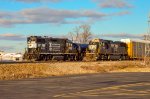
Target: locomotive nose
{"points": [[90, 57]]}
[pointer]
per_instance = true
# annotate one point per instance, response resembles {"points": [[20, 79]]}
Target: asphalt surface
{"points": [[95, 86]]}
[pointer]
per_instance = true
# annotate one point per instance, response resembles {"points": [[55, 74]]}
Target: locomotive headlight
{"points": [[92, 47], [32, 44]]}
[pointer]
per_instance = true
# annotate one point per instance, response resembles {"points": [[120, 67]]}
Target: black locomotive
{"points": [[100, 49], [48, 48]]}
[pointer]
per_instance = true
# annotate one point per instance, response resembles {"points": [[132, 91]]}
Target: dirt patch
{"points": [[34, 70]]}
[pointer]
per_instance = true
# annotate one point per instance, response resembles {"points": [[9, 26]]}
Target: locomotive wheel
{"points": [[76, 58], [71, 58], [121, 58], [65, 57], [81, 57], [102, 57], [124, 57], [49, 57], [108, 57], [45, 58], [127, 57]]}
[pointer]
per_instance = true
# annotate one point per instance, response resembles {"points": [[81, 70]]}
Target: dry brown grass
{"points": [[119, 66], [18, 71], [34, 70], [147, 60]]}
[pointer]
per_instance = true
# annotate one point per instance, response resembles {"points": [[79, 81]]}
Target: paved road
{"points": [[96, 86]]}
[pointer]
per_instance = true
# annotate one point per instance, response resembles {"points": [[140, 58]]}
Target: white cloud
{"points": [[37, 1], [12, 37], [55, 16], [121, 35], [6, 48], [113, 3]]}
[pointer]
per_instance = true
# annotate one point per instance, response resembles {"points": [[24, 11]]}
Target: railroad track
{"points": [[23, 62], [39, 62], [26, 62], [15, 62]]}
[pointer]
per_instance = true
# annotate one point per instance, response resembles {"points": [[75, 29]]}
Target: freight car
{"points": [[48, 48], [137, 48], [99, 49]]}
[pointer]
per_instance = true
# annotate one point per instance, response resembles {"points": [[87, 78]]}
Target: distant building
{"points": [[10, 56], [1, 54]]}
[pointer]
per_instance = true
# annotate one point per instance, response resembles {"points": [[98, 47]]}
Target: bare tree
{"points": [[81, 34], [77, 34], [71, 36], [86, 33]]}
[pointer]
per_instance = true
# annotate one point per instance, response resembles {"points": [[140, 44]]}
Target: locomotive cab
{"points": [[95, 49], [35, 45], [98, 46]]}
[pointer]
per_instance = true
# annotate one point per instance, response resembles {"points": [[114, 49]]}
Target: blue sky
{"points": [[109, 19]]}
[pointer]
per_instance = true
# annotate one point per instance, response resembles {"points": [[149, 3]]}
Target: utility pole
{"points": [[147, 45]]}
